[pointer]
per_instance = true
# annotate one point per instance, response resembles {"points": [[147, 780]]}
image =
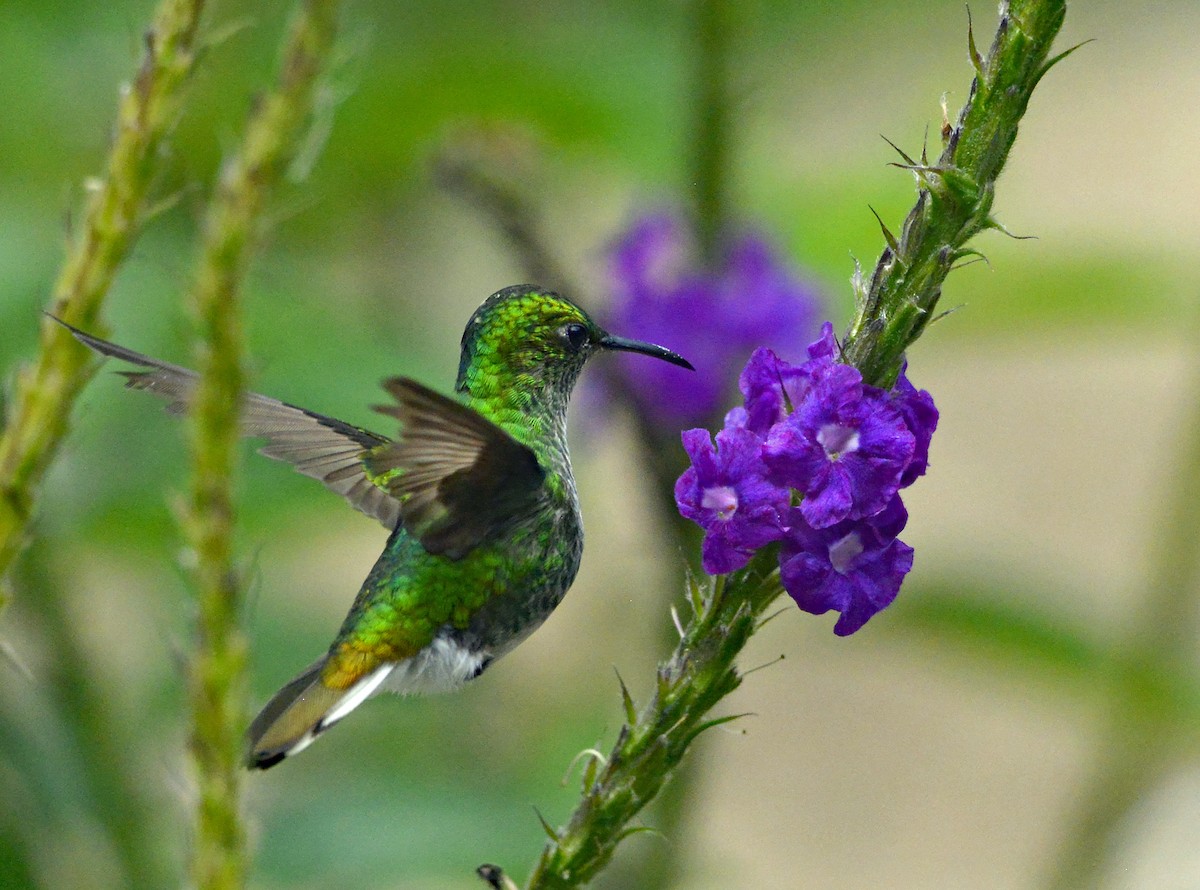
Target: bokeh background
{"points": [[924, 751]]}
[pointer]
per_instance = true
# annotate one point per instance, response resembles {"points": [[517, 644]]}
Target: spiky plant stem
{"points": [[701, 671], [954, 203], [217, 669], [45, 392]]}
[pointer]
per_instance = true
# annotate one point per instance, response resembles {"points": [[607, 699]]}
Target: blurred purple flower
{"points": [[726, 494], [854, 567], [712, 317]]}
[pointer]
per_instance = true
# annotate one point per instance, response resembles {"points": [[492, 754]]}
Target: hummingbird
{"points": [[476, 490]]}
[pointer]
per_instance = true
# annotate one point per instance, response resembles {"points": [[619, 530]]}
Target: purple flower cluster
{"points": [[713, 317], [814, 458]]}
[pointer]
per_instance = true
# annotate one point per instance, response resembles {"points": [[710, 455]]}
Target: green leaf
{"points": [[627, 701]]}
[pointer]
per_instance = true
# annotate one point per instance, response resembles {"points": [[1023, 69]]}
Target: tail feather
{"points": [[301, 711]]}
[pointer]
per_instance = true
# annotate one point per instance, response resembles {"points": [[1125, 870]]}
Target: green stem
{"points": [[712, 24], [217, 671], [955, 194], [1145, 734], [699, 673], [1135, 753], [106, 754], [115, 213]]}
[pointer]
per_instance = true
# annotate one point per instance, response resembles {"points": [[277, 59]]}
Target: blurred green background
{"points": [[905, 756]]}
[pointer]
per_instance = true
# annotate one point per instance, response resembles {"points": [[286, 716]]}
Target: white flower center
{"points": [[837, 440], [843, 551], [722, 499]]}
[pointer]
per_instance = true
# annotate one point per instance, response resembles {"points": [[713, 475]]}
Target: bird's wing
{"points": [[457, 476], [320, 447]]}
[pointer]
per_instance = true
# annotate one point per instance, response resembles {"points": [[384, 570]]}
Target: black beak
{"points": [[608, 341]]}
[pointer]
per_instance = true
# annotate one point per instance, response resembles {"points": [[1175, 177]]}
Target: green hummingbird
{"points": [[477, 491]]}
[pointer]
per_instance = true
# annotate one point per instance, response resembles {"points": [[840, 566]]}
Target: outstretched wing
{"points": [[457, 476], [323, 448]]}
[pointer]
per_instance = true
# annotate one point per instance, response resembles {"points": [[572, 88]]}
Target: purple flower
{"points": [[725, 492], [770, 387], [921, 417], [713, 317], [844, 448], [854, 567], [824, 348], [814, 430]]}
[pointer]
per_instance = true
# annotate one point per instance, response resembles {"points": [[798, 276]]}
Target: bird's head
{"points": [[524, 336]]}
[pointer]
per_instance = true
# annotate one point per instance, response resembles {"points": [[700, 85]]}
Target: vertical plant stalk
{"points": [[713, 31], [217, 670], [954, 200], [45, 392], [122, 804], [892, 312], [712, 23], [1145, 736]]}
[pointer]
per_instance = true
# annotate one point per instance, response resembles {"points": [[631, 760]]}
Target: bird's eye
{"points": [[576, 335]]}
